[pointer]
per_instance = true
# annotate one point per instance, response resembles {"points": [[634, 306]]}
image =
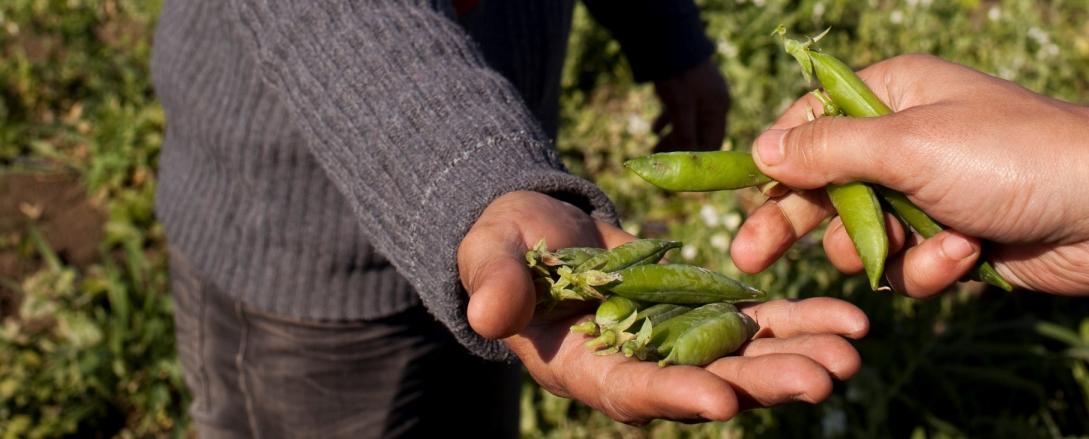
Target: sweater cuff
{"points": [[464, 190]]}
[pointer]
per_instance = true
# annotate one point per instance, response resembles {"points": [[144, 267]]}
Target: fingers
{"points": [[933, 265], [818, 315], [501, 291], [613, 236], [804, 110], [772, 228], [836, 150], [637, 391], [808, 154], [833, 353], [774, 378]]}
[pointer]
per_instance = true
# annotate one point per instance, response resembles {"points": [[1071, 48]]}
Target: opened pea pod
{"points": [[638, 294]]}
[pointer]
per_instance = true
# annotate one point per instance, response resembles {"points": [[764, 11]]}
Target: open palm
{"points": [[795, 356]]}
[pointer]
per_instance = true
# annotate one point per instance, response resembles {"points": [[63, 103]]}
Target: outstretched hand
{"points": [[796, 355], [981, 155]]}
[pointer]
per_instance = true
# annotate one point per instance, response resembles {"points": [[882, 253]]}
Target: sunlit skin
{"points": [[801, 348], [982, 155]]}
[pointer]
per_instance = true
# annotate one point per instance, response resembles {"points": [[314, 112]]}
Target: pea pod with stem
{"points": [[650, 317], [638, 252], [613, 317], [545, 262], [855, 202], [846, 93]]}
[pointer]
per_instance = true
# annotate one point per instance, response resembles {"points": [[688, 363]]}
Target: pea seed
{"points": [[614, 310]]}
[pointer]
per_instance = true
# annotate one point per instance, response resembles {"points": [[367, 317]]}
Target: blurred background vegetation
{"points": [[86, 345]]}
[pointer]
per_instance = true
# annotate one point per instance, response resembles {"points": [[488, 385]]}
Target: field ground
{"points": [[86, 346]]}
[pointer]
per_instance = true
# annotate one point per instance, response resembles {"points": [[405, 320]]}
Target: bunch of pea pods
{"points": [[861, 206], [684, 314]]}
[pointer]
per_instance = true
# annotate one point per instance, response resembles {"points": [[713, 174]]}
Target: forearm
{"points": [[410, 125]]}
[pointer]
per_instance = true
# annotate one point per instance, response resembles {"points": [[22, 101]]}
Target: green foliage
{"points": [[90, 352], [967, 364]]}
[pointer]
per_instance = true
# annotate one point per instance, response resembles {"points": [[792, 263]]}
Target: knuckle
{"points": [[912, 61], [806, 380], [811, 146]]}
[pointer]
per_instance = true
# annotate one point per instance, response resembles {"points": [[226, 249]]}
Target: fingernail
{"points": [[957, 248], [769, 147]]}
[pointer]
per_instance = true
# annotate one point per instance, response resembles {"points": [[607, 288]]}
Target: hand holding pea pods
{"points": [[794, 358], [982, 155], [857, 203]]}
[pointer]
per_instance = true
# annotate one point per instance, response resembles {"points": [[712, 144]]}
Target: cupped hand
{"points": [[982, 155], [796, 355], [695, 103]]}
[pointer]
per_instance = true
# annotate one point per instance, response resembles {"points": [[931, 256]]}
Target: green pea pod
{"points": [[864, 220], [660, 312], [702, 335], [650, 317], [711, 339], [571, 256], [856, 203], [698, 171], [614, 310], [846, 89], [911, 214], [679, 284], [640, 251], [666, 333]]}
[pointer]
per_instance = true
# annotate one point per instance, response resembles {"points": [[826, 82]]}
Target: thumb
{"points": [[832, 150], [501, 292]]}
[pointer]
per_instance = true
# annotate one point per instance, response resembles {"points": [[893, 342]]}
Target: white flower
{"points": [[726, 49], [818, 10], [688, 252], [720, 241], [994, 14], [1039, 35], [638, 126], [896, 17], [709, 215], [731, 220]]}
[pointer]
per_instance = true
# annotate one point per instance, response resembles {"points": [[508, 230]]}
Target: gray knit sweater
{"points": [[324, 158]]}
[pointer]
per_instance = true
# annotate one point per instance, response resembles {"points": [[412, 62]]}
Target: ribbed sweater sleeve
{"points": [[658, 37], [411, 125]]}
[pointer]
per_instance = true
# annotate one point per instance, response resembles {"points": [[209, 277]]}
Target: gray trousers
{"points": [[252, 374]]}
